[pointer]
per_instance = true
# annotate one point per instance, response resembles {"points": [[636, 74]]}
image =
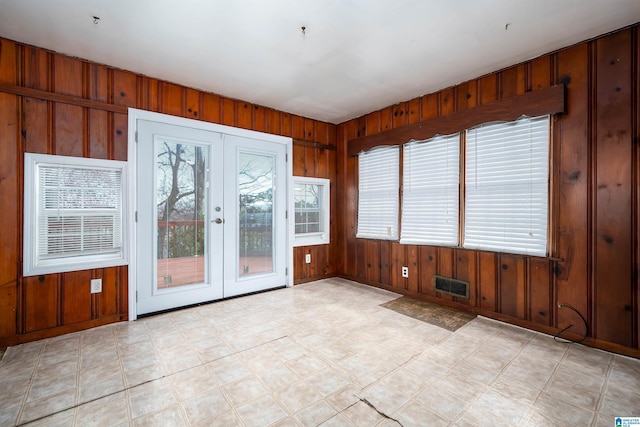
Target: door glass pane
{"points": [[181, 206], [255, 192]]}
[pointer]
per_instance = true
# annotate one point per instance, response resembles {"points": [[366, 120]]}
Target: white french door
{"points": [[211, 216]]}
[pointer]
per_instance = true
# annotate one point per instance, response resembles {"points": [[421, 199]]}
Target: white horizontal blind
{"points": [[431, 178], [507, 181], [79, 211], [378, 184]]}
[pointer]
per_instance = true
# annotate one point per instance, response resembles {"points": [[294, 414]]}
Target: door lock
{"points": [[218, 220]]}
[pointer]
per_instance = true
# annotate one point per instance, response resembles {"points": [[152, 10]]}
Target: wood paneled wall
{"points": [[594, 203], [76, 115]]}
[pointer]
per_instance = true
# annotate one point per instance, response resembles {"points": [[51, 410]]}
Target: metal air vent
{"points": [[455, 287]]}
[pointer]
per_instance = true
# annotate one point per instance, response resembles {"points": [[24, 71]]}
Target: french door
{"points": [[211, 216]]}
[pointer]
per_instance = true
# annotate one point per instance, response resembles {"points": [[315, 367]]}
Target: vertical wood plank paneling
{"points": [[120, 136], [399, 115], [397, 261], [153, 94], [386, 118], [321, 163], [286, 125], [37, 67], [540, 297], [413, 111], [244, 115], [259, 118], [613, 296], [428, 268], [299, 160], [447, 101], [413, 282], [512, 286], [488, 88], [76, 297], [373, 260], [310, 161], [274, 121], [67, 75], [210, 108], [172, 98], [385, 262], [10, 158], [228, 112], [372, 121], [429, 106], [125, 90], [68, 128], [99, 134], [361, 258], [512, 81], [572, 273], [465, 269], [192, 107], [488, 281], [541, 72], [40, 302], [297, 127], [108, 298], [351, 203]]}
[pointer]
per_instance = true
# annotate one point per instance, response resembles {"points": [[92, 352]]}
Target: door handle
{"points": [[218, 220]]}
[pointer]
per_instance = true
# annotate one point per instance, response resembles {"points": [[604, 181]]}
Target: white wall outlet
{"points": [[405, 272], [307, 258], [96, 286]]}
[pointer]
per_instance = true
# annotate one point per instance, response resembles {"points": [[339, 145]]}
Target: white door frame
{"points": [[134, 116]]}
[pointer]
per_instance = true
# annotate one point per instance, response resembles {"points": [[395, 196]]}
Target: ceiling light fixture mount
{"points": [[304, 30], [96, 19]]}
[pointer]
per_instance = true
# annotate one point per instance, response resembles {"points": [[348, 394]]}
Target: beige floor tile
{"points": [[50, 405], [228, 370], [384, 399], [442, 403], [149, 401], [576, 395], [229, 419], [416, 414], [98, 389], [500, 406], [563, 411], [192, 382], [338, 420], [344, 398], [209, 405], [145, 375], [171, 416], [261, 412], [58, 419], [301, 356], [361, 414], [327, 381], [241, 391], [297, 396], [9, 415], [315, 414], [103, 413], [278, 376], [287, 422]]}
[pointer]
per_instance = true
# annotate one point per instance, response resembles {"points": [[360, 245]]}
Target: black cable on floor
{"points": [[557, 337]]}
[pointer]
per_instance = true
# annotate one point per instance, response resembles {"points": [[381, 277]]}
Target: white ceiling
{"points": [[356, 56]]}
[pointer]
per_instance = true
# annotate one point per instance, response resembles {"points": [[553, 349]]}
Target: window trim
{"points": [[322, 237], [32, 264]]}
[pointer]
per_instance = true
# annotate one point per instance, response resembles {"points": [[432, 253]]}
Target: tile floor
{"points": [[323, 353]]}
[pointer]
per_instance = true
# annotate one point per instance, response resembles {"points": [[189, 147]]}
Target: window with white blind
{"points": [[74, 213], [311, 207], [378, 183], [430, 191], [507, 181]]}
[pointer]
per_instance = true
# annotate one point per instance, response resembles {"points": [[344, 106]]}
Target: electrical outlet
{"points": [[405, 272], [96, 286], [307, 258]]}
